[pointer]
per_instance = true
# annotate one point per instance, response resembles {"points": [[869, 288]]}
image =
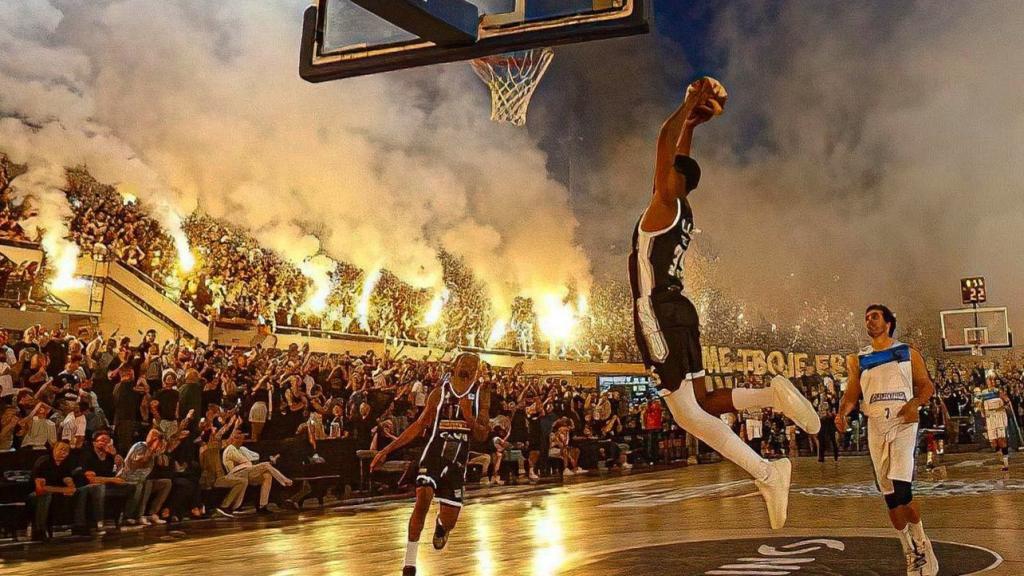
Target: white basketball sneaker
{"points": [[931, 564], [775, 491], [792, 403], [915, 563]]}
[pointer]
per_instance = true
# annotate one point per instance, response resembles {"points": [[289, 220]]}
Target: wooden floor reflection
{"points": [[572, 529]]}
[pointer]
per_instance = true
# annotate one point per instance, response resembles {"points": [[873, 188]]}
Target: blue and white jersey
{"points": [[991, 401], [886, 380]]}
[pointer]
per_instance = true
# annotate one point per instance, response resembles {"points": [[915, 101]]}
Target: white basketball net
{"points": [[513, 78]]}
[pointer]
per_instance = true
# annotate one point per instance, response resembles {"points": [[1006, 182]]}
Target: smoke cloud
{"points": [[379, 172], [869, 151]]}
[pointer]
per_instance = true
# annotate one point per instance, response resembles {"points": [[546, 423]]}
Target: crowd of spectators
{"points": [[175, 430], [235, 278], [13, 211], [180, 431]]}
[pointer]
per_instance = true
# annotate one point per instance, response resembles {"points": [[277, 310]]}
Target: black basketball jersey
{"points": [[656, 262], [449, 436]]}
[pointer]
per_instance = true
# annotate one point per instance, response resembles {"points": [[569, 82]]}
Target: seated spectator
{"points": [[240, 462], [559, 447], [96, 476], [164, 405], [213, 428], [54, 487], [37, 430], [8, 425], [138, 465], [73, 426]]}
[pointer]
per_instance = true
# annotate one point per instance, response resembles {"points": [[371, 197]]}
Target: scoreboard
{"points": [[972, 290]]}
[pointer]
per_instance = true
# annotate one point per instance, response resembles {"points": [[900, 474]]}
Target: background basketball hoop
{"points": [[512, 79]]}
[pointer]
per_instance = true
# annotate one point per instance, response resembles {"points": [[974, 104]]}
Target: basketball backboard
{"points": [[975, 329], [345, 38]]}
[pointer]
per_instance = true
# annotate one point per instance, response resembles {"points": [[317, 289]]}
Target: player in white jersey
{"points": [[893, 381], [993, 405]]}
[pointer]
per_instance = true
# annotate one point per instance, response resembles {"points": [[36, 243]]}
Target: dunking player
{"points": [[993, 405], [667, 328], [454, 412], [892, 378]]}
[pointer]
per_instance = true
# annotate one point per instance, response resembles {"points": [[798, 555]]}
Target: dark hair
{"points": [[887, 315]]}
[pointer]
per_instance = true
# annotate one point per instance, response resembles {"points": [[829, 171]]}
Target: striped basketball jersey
{"points": [[656, 261], [886, 380], [449, 436]]}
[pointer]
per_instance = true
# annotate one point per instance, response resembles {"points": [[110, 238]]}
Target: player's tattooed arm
{"points": [[414, 431], [852, 394], [923, 388]]}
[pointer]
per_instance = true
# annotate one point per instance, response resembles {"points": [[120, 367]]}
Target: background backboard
{"points": [[345, 38], [972, 329]]}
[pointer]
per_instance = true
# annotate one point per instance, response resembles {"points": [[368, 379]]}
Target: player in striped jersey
{"points": [[666, 324], [455, 412]]}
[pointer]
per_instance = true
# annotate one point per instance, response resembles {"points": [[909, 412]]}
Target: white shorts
{"points": [[995, 425], [755, 429], [892, 447]]}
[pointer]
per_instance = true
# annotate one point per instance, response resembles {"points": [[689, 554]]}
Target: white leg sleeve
{"points": [[744, 398], [713, 432]]}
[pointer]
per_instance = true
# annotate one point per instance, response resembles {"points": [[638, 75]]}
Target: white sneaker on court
{"points": [[915, 563], [792, 403], [775, 491], [931, 564]]}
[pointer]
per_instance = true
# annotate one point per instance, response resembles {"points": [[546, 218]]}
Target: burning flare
{"points": [[63, 256], [557, 319], [318, 270], [186, 260], [436, 307], [497, 333], [363, 308]]}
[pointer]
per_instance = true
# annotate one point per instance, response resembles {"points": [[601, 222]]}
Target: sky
{"points": [[868, 151]]}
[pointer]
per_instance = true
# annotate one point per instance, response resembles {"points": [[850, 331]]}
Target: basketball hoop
{"points": [[976, 338], [512, 79]]}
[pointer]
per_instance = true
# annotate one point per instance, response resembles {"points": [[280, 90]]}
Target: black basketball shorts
{"points": [[668, 335], [448, 480]]}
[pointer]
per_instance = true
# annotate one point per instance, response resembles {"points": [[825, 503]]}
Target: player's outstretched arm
{"points": [[675, 173], [412, 432], [923, 388], [852, 394]]}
